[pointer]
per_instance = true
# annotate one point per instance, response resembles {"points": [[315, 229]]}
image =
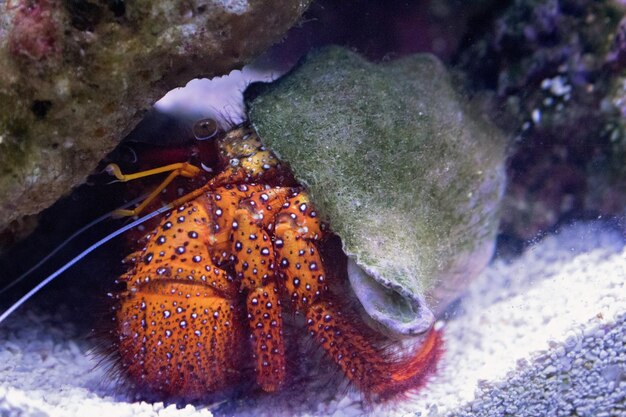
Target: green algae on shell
{"points": [[402, 169]]}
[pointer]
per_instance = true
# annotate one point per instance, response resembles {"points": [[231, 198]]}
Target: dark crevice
{"points": [[84, 15], [40, 108], [117, 7]]}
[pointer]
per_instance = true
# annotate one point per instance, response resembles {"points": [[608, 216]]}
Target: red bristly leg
{"points": [[377, 372]]}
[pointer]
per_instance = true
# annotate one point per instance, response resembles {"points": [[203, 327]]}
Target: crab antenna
{"points": [[68, 240], [80, 256]]}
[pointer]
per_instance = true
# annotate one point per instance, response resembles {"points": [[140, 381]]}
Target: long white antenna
{"points": [[68, 240], [80, 256]]}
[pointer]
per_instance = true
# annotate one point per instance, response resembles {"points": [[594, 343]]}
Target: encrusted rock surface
{"points": [[585, 377], [405, 172], [555, 70], [75, 76]]}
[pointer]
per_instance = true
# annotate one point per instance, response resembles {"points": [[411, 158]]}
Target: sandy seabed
{"points": [[542, 334]]}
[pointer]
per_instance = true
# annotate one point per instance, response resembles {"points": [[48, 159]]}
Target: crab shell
{"points": [[405, 171]]}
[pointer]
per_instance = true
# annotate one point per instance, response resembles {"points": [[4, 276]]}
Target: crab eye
{"points": [[205, 129]]}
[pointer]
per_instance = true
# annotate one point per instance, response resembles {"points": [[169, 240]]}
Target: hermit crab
{"points": [[405, 173], [206, 296]]}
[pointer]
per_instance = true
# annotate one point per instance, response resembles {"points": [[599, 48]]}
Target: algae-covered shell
{"points": [[402, 169]]}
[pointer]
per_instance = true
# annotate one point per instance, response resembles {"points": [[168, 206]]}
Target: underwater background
{"points": [[508, 219]]}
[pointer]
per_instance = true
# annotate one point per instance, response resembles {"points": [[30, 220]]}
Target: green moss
{"points": [[404, 172], [14, 153]]}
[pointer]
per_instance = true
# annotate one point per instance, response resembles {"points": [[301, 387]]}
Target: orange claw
{"points": [[178, 339], [177, 322]]}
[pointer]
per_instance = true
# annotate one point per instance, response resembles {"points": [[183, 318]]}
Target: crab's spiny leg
{"points": [[224, 202], [378, 373], [298, 259], [254, 265], [346, 346], [265, 318], [179, 248]]}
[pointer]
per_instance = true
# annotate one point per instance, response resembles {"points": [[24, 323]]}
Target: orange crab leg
{"points": [[255, 268], [378, 373], [298, 259], [301, 265], [184, 169], [265, 321], [177, 249]]}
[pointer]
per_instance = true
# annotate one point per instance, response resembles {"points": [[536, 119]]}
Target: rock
{"points": [[404, 170], [76, 76], [556, 72]]}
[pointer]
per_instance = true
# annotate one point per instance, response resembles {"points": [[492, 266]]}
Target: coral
{"points": [[76, 76], [555, 71], [404, 171]]}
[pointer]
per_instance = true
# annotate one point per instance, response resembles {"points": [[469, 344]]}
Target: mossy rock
{"points": [[400, 166], [77, 76]]}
